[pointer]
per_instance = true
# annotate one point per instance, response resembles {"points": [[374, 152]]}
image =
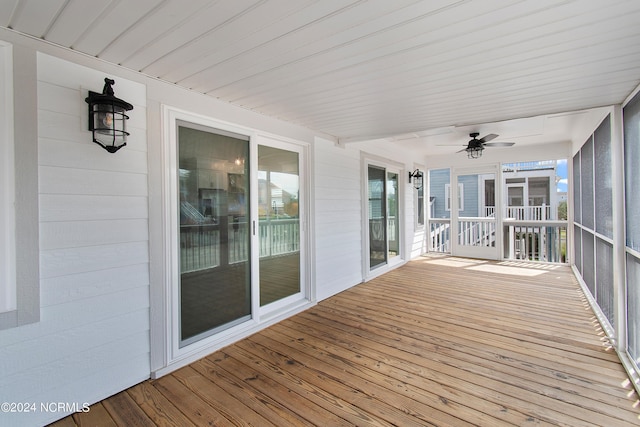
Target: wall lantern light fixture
{"points": [[107, 118], [417, 176]]}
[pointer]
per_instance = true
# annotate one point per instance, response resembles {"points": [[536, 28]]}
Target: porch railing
{"points": [[201, 248], [490, 211], [279, 236], [536, 241], [440, 235], [529, 213], [477, 232], [471, 232]]}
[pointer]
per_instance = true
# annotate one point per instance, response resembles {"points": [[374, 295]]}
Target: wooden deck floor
{"points": [[438, 342]]}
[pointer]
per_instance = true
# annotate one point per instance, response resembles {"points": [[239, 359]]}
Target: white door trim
{"points": [[474, 251], [166, 355]]}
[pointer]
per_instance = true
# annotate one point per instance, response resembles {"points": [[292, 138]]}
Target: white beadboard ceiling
{"points": [[359, 69]]}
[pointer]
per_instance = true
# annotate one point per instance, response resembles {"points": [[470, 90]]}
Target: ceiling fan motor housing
{"points": [[475, 143]]}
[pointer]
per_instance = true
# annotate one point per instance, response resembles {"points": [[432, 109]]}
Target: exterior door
{"points": [[383, 216], [377, 216], [475, 224], [239, 241], [515, 201], [279, 211], [214, 238]]}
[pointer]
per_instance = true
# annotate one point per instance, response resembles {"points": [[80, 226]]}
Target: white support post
{"points": [[512, 246], [619, 286]]}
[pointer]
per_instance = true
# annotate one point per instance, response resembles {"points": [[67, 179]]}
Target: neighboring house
{"points": [[468, 197], [529, 199], [530, 191]]}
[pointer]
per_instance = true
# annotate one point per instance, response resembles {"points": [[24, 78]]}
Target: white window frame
{"points": [[419, 201], [447, 191], [8, 294], [18, 146], [416, 201], [366, 160], [166, 353]]}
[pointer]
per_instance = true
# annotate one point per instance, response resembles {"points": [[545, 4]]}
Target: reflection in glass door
{"points": [[377, 217], [279, 223], [214, 240], [383, 216], [393, 221]]}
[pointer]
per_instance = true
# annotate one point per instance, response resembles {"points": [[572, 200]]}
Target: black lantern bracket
{"points": [[417, 176], [107, 118]]}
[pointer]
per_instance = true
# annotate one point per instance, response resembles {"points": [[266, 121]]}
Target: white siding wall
{"points": [[414, 240], [338, 218], [338, 212], [101, 233], [93, 336]]}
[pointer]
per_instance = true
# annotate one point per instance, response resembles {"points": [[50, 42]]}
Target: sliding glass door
{"points": [[377, 217], [214, 239], [279, 223], [238, 238], [383, 220]]}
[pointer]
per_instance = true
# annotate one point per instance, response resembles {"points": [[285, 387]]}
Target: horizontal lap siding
{"points": [[471, 203], [338, 218], [338, 212], [93, 337], [438, 179]]}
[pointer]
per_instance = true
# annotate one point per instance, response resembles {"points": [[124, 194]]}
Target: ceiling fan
{"points": [[475, 146]]}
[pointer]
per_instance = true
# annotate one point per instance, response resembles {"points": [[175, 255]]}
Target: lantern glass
{"points": [[417, 177], [109, 125], [417, 183], [108, 118], [474, 153]]}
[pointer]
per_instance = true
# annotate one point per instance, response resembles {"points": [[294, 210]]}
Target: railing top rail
{"points": [[201, 226], [281, 220], [528, 166], [534, 223], [477, 218]]}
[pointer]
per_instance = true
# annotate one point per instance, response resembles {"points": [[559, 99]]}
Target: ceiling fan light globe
{"points": [[474, 152]]}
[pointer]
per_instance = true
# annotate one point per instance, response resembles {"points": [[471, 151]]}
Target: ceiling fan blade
{"points": [[489, 137], [464, 149], [499, 144]]}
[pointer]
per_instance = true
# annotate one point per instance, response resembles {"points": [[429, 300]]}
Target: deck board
{"points": [[124, 410], [157, 407], [441, 341]]}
